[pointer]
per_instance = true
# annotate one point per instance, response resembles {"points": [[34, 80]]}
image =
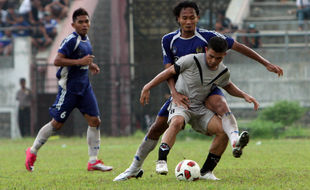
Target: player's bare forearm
{"points": [[233, 90], [94, 69], [241, 48], [62, 61], [161, 77]]}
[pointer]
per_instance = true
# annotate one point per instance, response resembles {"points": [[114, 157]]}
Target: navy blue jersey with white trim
{"points": [[74, 78], [174, 46]]}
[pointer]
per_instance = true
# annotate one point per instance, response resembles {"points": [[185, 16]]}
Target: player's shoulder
{"points": [[209, 33], [223, 67], [170, 35], [71, 39]]}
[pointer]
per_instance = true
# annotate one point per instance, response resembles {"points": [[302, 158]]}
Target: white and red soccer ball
{"points": [[187, 170]]}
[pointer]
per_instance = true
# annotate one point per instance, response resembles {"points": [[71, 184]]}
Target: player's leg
{"points": [[147, 145], [217, 103], [89, 108], [59, 111], [217, 148], [177, 123]]}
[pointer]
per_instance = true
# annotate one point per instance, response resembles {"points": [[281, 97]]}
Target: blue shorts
{"points": [[66, 102], [164, 109]]}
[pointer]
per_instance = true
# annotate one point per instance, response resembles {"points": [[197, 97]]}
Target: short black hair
{"points": [[78, 12], [22, 80], [218, 44], [176, 10]]}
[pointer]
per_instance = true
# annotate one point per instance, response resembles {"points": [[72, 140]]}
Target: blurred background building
{"points": [[126, 39]]}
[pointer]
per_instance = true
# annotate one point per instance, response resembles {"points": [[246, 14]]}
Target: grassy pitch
{"points": [[62, 163]]}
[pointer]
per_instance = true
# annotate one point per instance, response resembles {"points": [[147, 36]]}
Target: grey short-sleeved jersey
{"points": [[196, 80]]}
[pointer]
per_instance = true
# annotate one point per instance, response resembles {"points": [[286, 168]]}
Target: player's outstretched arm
{"points": [[233, 90], [161, 77], [241, 48]]}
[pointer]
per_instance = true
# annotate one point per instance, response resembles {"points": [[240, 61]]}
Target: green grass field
{"points": [[62, 163]]}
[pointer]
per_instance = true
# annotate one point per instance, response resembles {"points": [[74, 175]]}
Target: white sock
{"points": [[93, 141], [230, 127], [45, 132], [146, 146]]}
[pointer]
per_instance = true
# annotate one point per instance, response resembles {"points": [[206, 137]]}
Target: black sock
{"points": [[163, 151], [210, 163]]}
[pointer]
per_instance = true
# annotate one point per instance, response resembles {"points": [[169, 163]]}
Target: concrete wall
{"points": [[9, 78], [266, 87]]}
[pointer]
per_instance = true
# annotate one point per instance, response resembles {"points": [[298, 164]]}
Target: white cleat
{"points": [[208, 175], [162, 167], [240, 143], [129, 174]]}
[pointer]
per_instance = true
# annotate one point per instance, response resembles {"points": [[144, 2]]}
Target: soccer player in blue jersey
{"points": [[189, 39], [74, 58]]}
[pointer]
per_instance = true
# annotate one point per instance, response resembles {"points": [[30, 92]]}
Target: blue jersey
{"points": [[74, 79], [174, 46]]}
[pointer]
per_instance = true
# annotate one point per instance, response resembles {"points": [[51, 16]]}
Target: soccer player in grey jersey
{"points": [[198, 74]]}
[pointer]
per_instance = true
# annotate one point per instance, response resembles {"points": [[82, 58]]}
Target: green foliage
{"points": [[285, 112], [262, 128]]}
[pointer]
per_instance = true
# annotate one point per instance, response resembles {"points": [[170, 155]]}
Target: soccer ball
{"points": [[187, 170]]}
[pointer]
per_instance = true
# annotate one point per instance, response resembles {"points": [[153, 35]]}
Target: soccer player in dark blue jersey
{"points": [[74, 58], [189, 39]]}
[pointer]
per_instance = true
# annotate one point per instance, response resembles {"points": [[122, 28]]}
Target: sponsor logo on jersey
{"points": [[199, 49], [80, 53], [174, 50], [85, 67]]}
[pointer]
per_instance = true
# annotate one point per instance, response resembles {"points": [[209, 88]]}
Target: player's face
{"points": [[213, 58], [188, 20], [81, 25]]}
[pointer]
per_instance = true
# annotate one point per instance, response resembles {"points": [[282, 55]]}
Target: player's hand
{"points": [[94, 69], [86, 60], [250, 99], [144, 97], [180, 100], [274, 68]]}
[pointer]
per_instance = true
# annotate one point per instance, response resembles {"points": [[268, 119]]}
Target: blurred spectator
{"points": [[33, 14], [40, 38], [223, 24], [252, 41], [21, 28], [303, 11], [25, 7], [25, 102], [50, 25], [58, 9], [2, 23], [11, 15], [6, 45]]}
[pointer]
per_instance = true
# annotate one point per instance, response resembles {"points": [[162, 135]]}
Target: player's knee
{"points": [[56, 125], [94, 122], [220, 107], [157, 129], [176, 125]]}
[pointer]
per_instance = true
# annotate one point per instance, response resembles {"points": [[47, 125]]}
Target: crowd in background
{"points": [[35, 18]]}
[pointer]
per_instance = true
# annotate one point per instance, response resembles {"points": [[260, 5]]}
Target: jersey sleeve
{"points": [[209, 34], [167, 53], [185, 62], [67, 46], [225, 79]]}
